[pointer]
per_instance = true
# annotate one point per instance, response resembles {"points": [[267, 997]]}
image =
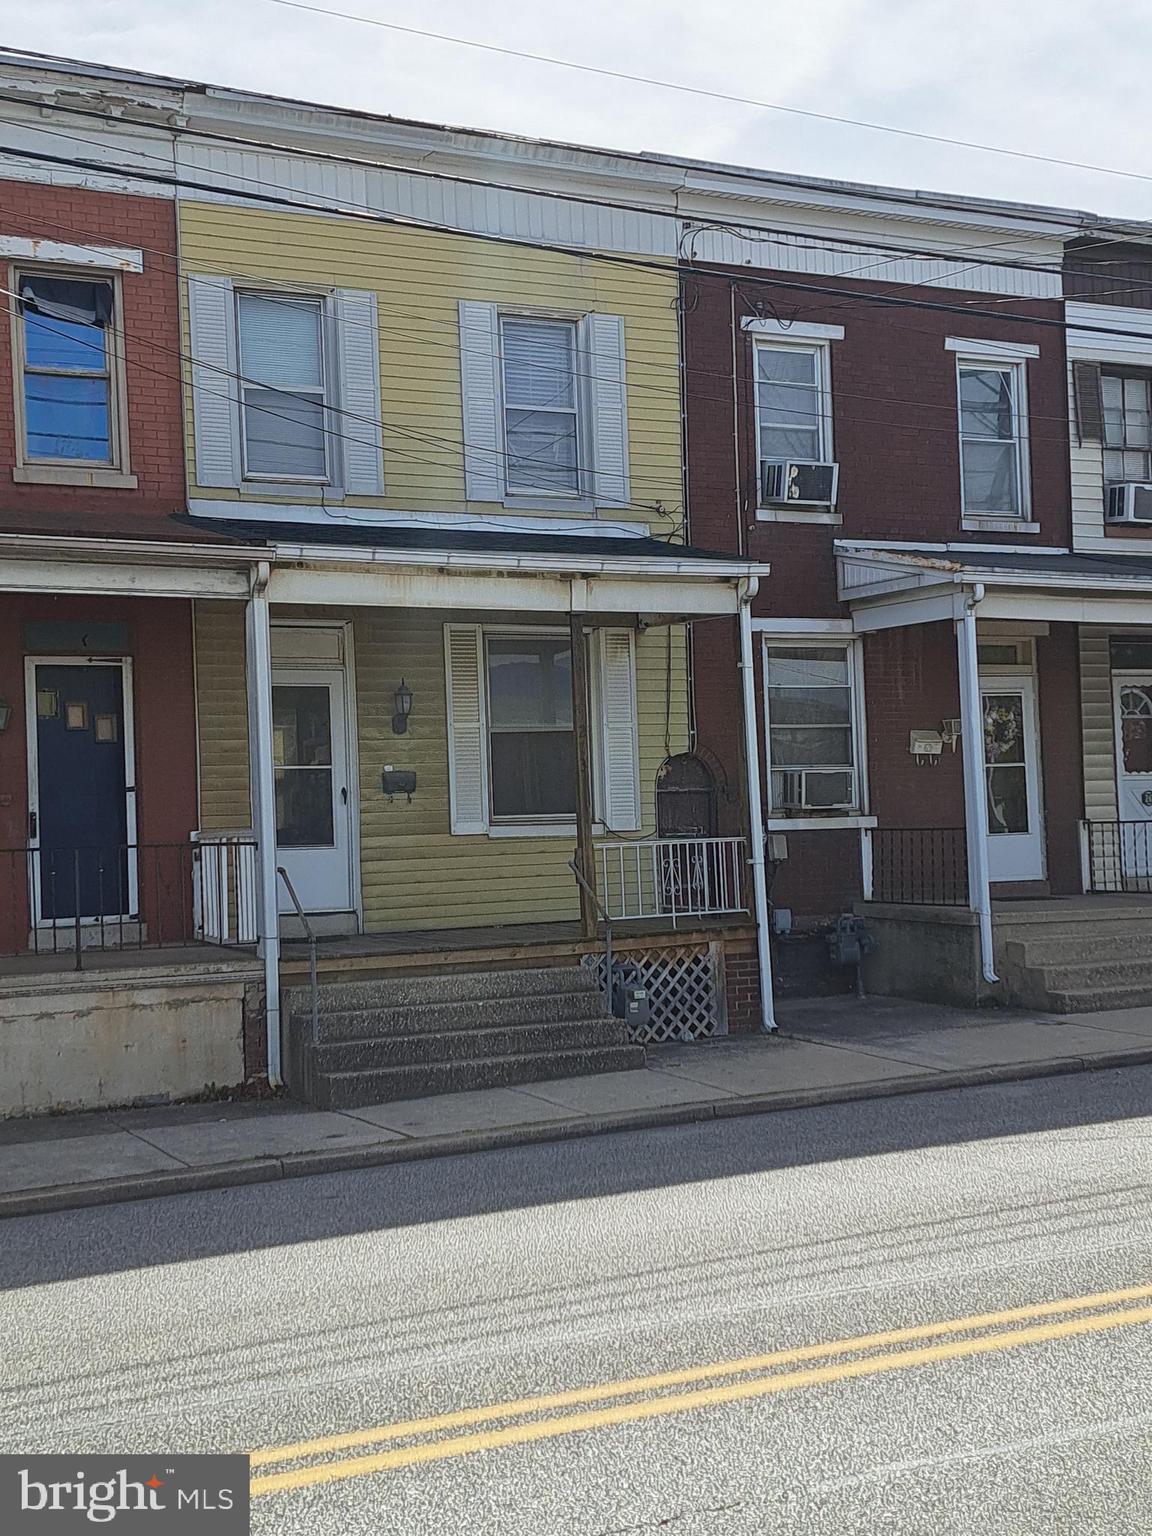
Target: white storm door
{"points": [[313, 800], [1011, 766], [1132, 707]]}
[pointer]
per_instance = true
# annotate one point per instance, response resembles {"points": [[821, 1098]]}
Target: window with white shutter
{"points": [[512, 757], [215, 402], [283, 387], [544, 408]]}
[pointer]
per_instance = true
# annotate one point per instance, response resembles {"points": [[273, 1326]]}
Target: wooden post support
{"points": [[585, 853]]}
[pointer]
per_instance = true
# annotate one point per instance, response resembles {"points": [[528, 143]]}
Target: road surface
{"points": [[929, 1314]]}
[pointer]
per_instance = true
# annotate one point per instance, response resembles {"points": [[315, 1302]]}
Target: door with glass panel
{"points": [[1132, 700], [1011, 767], [313, 804]]}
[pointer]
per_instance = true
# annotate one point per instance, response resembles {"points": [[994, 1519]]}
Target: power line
{"points": [[696, 90]]}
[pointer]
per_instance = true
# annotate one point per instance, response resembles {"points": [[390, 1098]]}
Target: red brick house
{"points": [[944, 591]]}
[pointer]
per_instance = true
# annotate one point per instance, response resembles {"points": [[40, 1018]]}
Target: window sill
{"points": [[579, 506], [827, 515], [975, 523], [815, 823], [67, 474]]}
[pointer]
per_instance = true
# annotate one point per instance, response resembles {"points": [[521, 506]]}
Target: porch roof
{"points": [[889, 586]]}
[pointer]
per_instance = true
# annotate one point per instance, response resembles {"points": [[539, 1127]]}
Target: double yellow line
{"points": [[739, 1381]]}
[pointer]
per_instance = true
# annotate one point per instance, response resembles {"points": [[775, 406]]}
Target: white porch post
{"points": [[975, 783], [747, 590], [258, 653]]}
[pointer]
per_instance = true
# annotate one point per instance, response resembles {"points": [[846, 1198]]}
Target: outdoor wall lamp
{"points": [[5, 715], [403, 709]]}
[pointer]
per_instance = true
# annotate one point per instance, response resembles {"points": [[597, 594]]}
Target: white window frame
{"points": [[1016, 366], [509, 825], [820, 348], [579, 411], [113, 472], [809, 638], [323, 302]]}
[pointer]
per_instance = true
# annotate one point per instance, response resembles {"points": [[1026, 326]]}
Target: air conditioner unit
{"points": [[1130, 502], [797, 482], [814, 789]]}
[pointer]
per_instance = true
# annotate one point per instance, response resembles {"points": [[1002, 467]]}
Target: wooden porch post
{"points": [[585, 853]]}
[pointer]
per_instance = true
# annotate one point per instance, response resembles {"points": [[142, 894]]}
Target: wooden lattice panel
{"points": [[685, 990]]}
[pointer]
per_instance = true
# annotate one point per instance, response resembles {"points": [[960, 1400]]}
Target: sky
{"points": [[1060, 78]]}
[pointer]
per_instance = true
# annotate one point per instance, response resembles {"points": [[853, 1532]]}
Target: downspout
{"points": [[263, 782], [975, 784], [746, 591]]}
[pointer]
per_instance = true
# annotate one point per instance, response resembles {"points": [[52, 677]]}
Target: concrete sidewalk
{"points": [[828, 1049]]}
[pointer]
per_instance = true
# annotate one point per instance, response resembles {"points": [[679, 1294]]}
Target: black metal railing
{"points": [[1117, 856], [126, 896], [920, 866]]}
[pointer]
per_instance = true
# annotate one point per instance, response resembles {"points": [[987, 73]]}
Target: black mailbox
{"points": [[398, 781]]}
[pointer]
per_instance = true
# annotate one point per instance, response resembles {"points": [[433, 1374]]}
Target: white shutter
{"points": [[618, 744], [480, 388], [215, 386], [358, 359], [607, 394], [467, 747]]}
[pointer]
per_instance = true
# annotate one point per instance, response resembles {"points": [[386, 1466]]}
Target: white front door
{"points": [[313, 795], [1132, 710], [1011, 759]]}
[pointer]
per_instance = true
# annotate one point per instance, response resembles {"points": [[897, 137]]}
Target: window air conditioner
{"points": [[1130, 502], [815, 789], [797, 482]]}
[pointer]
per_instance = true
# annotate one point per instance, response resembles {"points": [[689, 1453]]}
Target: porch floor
{"points": [[189, 957]]}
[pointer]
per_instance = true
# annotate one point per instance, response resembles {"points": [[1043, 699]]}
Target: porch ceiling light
{"points": [[5, 714], [403, 709]]}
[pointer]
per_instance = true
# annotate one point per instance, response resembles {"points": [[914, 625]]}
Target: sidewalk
{"points": [[828, 1049]]}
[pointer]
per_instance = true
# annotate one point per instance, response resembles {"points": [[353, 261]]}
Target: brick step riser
{"points": [[440, 1018], [353, 1090], [467, 1045], [469, 986]]}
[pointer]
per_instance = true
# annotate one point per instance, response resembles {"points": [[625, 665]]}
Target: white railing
{"points": [[224, 887], [673, 877]]}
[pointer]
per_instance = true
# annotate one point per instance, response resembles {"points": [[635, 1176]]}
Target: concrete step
{"points": [[1050, 950], [1087, 974], [464, 1045], [1098, 999], [352, 1090], [447, 987], [468, 1013]]}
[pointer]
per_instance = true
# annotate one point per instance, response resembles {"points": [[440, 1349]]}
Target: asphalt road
{"points": [[926, 1315]]}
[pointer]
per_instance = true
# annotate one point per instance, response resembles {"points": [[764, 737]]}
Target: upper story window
{"points": [[1127, 401], [793, 418], [993, 438], [69, 366], [282, 365], [541, 406]]}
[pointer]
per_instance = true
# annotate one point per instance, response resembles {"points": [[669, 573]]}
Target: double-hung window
{"points": [[283, 389], [1127, 400], [993, 438], [812, 727], [542, 432], [532, 753], [68, 363]]}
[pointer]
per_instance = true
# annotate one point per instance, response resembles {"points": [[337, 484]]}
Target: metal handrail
{"points": [[605, 919], [310, 934]]}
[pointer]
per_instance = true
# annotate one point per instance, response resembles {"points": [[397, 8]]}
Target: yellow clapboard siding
{"points": [[414, 872], [419, 277]]}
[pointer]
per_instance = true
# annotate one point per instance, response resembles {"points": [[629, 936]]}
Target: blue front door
{"points": [[81, 822]]}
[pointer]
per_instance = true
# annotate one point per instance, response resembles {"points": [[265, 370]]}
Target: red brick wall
{"points": [[1061, 760], [742, 989], [150, 320], [160, 644]]}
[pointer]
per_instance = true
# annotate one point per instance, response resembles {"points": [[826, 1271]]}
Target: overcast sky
{"points": [[1061, 77]]}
